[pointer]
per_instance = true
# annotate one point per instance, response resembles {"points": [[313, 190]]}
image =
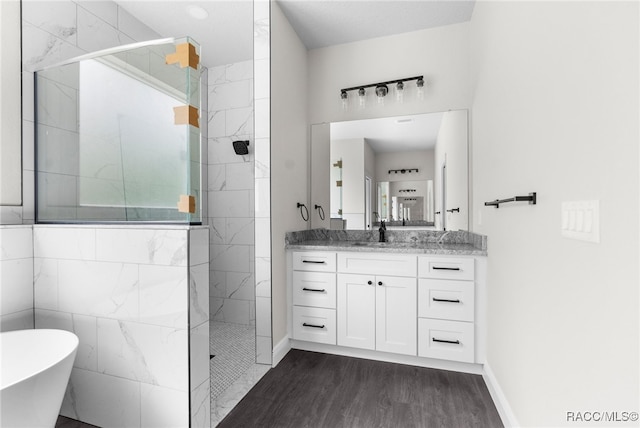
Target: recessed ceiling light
{"points": [[197, 12]]}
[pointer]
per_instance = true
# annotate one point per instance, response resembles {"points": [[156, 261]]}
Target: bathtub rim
{"points": [[69, 350]]}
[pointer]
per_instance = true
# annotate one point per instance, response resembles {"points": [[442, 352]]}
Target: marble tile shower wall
{"points": [[231, 194], [16, 278], [262, 96], [137, 300], [53, 31]]}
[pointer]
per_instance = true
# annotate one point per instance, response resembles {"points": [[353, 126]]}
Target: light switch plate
{"points": [[581, 220]]}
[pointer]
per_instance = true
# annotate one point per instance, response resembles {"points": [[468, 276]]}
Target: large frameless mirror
{"points": [[409, 171]]}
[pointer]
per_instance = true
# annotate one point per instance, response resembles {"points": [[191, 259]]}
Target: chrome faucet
{"points": [[382, 230]]}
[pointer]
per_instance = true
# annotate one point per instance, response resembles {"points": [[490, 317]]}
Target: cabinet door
{"points": [[396, 315], [356, 311]]}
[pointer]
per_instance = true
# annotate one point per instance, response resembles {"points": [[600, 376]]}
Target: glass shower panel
{"points": [[118, 137]]}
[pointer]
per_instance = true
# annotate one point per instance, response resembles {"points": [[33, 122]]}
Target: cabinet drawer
{"points": [[314, 324], [377, 264], [318, 261], [314, 289], [445, 299], [447, 340], [446, 268]]}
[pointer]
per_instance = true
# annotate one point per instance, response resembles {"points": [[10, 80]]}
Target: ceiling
{"points": [[332, 22], [226, 35], [392, 134]]}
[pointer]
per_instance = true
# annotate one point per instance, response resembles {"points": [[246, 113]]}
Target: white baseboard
{"points": [[388, 357], [280, 350], [499, 399]]}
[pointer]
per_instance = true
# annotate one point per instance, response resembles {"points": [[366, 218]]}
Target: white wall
{"points": [[53, 31], [369, 161], [289, 136], [262, 172], [351, 151], [421, 159], [136, 312], [10, 147], [16, 277], [440, 54], [369, 172], [556, 111], [231, 186], [452, 150], [321, 169]]}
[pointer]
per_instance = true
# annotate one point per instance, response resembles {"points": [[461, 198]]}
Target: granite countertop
{"points": [[390, 247], [408, 242]]}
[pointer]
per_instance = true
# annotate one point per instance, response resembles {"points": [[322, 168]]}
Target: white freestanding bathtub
{"points": [[35, 370]]}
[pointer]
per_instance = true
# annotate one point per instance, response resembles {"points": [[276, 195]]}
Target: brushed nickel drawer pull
{"points": [[445, 268], [317, 290], [435, 299], [455, 342], [304, 324]]}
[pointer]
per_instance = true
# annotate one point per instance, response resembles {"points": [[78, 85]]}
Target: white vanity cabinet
{"points": [[377, 312], [314, 297], [424, 309], [376, 302], [446, 308]]}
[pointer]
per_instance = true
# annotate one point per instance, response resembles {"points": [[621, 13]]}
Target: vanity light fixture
{"points": [[403, 170], [382, 89]]}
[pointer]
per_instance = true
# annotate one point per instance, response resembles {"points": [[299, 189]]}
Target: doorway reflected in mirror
{"points": [[403, 158]]}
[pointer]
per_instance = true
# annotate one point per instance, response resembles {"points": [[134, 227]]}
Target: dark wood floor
{"points": [[309, 389]]}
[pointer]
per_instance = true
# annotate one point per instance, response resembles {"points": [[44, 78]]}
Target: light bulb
{"points": [[420, 89], [345, 100], [400, 92], [362, 97], [381, 92]]}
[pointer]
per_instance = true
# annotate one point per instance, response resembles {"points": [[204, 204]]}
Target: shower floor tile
{"points": [[234, 350], [225, 402]]}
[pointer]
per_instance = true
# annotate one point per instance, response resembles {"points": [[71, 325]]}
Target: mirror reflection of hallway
{"points": [[402, 156]]}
